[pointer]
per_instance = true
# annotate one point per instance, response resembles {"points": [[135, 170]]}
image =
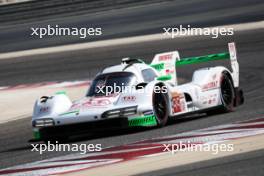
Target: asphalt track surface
{"points": [[14, 148], [138, 20], [250, 163]]}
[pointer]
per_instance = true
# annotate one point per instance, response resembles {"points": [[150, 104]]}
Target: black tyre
{"points": [[160, 106], [227, 93]]}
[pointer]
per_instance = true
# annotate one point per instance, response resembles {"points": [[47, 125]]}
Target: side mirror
{"points": [[164, 78]]}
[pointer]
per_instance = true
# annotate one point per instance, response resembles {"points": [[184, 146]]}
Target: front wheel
{"points": [[160, 106]]}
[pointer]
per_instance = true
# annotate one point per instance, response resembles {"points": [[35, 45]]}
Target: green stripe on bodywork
{"points": [[194, 60], [71, 112], [164, 78], [158, 66], [149, 120], [200, 59]]}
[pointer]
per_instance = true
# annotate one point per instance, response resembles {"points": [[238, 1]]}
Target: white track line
{"points": [[7, 2], [115, 42]]}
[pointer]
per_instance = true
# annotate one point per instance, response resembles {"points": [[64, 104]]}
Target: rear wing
{"points": [[160, 66], [165, 64]]}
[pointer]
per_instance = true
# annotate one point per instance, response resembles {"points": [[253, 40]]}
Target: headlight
{"points": [[129, 111], [120, 112], [43, 123], [115, 113]]}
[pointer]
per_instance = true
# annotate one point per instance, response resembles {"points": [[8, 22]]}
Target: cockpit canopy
{"points": [[110, 83]]}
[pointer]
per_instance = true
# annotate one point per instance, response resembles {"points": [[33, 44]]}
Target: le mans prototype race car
{"points": [[154, 96]]}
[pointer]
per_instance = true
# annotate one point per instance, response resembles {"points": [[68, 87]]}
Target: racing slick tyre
{"points": [[160, 107], [227, 95], [227, 92]]}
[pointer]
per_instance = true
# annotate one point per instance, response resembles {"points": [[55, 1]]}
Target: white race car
{"points": [[137, 94]]}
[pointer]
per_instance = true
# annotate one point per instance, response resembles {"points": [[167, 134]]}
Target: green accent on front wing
{"points": [[149, 120], [200, 59], [71, 112], [36, 135]]}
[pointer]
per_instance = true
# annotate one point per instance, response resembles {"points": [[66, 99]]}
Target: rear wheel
{"points": [[227, 92], [227, 95], [160, 106]]}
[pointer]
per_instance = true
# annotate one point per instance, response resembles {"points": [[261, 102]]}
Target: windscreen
{"points": [[110, 83]]}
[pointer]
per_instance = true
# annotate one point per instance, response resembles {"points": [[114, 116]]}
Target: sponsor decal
{"points": [[96, 102], [210, 85], [178, 102], [168, 71], [43, 110], [129, 98], [209, 99], [92, 102], [165, 57]]}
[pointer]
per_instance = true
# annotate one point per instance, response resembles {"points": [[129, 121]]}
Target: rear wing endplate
{"points": [[232, 55]]}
